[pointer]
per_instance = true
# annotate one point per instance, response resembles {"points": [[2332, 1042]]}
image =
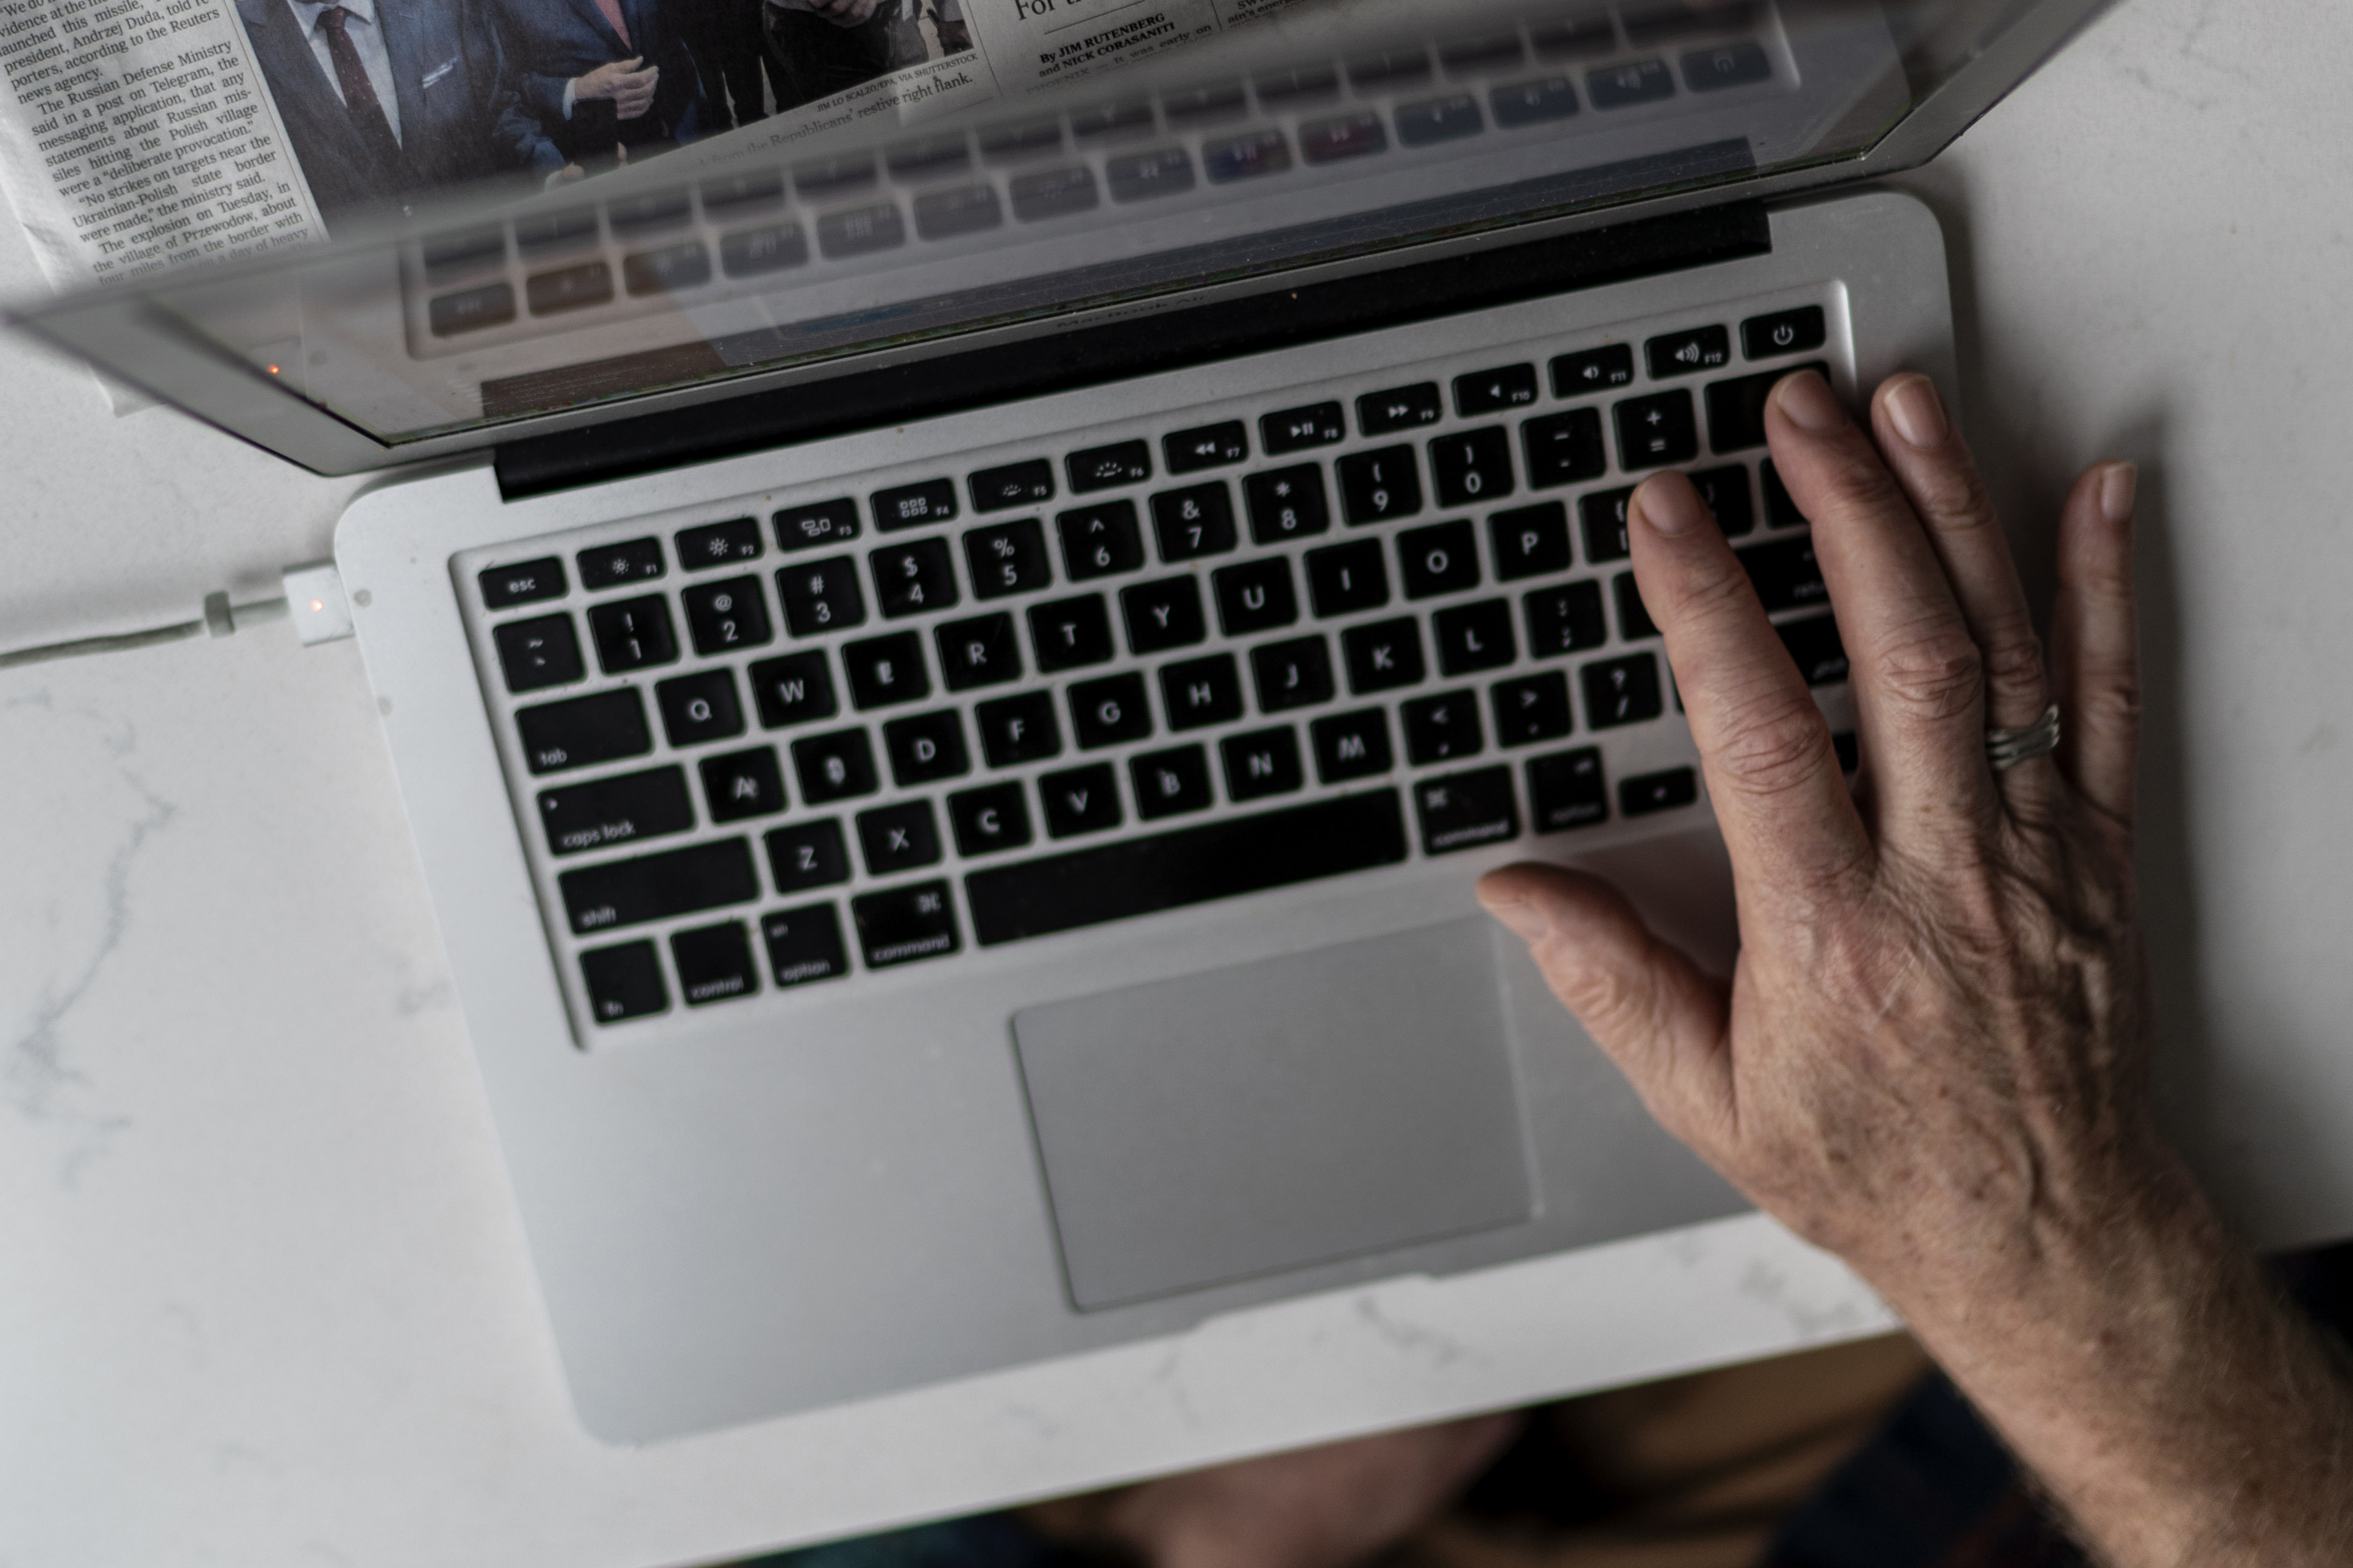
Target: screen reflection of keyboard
{"points": [[1099, 680]]}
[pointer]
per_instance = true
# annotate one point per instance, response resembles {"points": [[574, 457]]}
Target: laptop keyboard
{"points": [[1100, 675]]}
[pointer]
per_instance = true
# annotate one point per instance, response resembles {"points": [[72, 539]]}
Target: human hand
{"points": [[1932, 1057], [630, 88], [845, 13], [1315, 1508]]}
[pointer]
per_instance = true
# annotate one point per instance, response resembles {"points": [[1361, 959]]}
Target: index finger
{"points": [[1780, 796]]}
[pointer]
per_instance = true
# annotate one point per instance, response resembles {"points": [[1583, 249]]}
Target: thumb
{"points": [[1654, 1011]]}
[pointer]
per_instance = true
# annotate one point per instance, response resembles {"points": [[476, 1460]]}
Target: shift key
{"points": [[658, 887]]}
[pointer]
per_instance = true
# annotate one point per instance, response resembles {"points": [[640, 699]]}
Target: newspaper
{"points": [[140, 136]]}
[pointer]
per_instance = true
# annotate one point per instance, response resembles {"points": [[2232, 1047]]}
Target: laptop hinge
{"points": [[1089, 356]]}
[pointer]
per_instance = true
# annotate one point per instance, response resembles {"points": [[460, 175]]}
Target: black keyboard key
{"points": [[770, 248], [1342, 136], [1108, 468], [1191, 523], [1594, 370], [990, 820], [601, 813], [726, 616], [1565, 448], [1101, 541], [1200, 692], [1621, 87], [795, 690], [625, 982], [1620, 692], [916, 506], [1296, 84], [1188, 866], [1474, 468], [1602, 518], [1219, 100], [1736, 408], [632, 634], [1566, 790], [1054, 193], [701, 708], [1170, 784], [1819, 652], [839, 766], [1256, 597], [901, 837], [807, 854], [1162, 615], [618, 565], [1443, 728], [1656, 431], [1542, 101], [1348, 579], [585, 731], [524, 583], [861, 231], [715, 964], [1110, 713], [1780, 509], [1567, 619], [1440, 559], [1263, 763], [1732, 65], [1478, 55], [1652, 792], [804, 945], [1726, 490], [1008, 559], [1017, 730], [1080, 801], [1378, 487], [1129, 117], [1463, 811], [1786, 575], [1532, 541], [1298, 429], [1688, 353], [729, 543], [1382, 656], [822, 596], [1495, 391], [819, 523], [1572, 36], [1210, 446], [1662, 21], [927, 749], [1295, 673], [1016, 485], [1351, 746], [905, 925], [1148, 176], [1400, 408], [538, 653], [1070, 634], [1797, 332], [886, 670], [1437, 120], [1533, 709], [913, 579], [658, 887], [742, 784], [1474, 637], [1634, 623], [1246, 156], [1287, 503]]}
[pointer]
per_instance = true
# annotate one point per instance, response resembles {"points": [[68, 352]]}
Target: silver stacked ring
{"points": [[2005, 749]]}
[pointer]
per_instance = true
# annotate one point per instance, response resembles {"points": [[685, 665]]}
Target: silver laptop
{"points": [[952, 686]]}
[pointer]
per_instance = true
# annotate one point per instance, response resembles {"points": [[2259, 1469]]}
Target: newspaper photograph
{"points": [[139, 136]]}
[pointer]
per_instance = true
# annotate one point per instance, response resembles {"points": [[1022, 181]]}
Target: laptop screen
{"points": [[814, 189]]}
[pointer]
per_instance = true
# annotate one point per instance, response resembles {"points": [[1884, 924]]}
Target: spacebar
{"points": [[1193, 866]]}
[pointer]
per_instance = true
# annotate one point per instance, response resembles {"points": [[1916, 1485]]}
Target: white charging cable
{"points": [[312, 598]]}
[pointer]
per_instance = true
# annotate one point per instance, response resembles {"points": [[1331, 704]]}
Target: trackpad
{"points": [[1282, 1113]]}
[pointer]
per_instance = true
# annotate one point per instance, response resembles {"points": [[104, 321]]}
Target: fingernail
{"points": [[2119, 489], [1917, 413], [1668, 504], [1810, 403], [1525, 921]]}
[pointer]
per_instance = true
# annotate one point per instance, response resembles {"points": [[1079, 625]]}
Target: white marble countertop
{"points": [[263, 1300]]}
